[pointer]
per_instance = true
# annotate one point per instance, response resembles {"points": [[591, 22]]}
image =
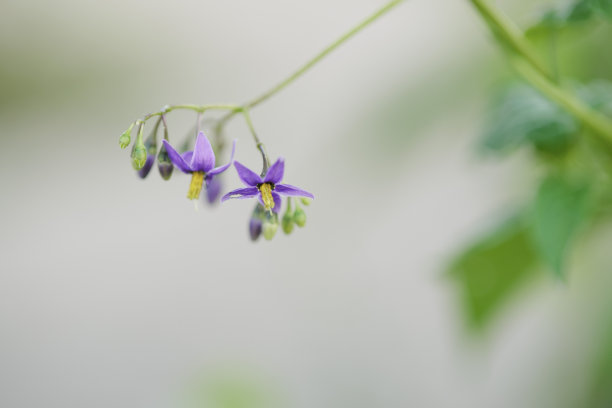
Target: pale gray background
{"points": [[114, 292]]}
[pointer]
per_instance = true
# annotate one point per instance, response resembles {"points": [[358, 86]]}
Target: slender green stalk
{"points": [[530, 67], [260, 146], [309, 64], [511, 35], [234, 109], [196, 108], [591, 119]]}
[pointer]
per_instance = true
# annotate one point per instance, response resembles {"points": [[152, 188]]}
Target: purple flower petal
{"points": [[213, 189], [221, 169], [176, 158], [277, 202], [203, 156], [247, 176], [289, 190], [187, 156], [241, 193], [275, 172]]}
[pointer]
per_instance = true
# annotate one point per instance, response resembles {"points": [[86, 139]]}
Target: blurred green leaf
{"points": [[492, 269], [560, 209], [520, 114], [563, 15], [230, 391], [598, 95]]}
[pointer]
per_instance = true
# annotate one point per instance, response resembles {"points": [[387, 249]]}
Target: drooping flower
{"points": [[266, 189], [200, 163]]}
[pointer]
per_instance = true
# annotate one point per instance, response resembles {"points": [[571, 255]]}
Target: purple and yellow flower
{"points": [[200, 163], [266, 189]]}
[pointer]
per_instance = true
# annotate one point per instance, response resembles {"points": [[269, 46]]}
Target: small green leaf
{"points": [[490, 271], [522, 115], [560, 209]]}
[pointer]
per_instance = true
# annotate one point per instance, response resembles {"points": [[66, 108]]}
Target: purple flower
{"points": [[200, 163], [266, 189]]}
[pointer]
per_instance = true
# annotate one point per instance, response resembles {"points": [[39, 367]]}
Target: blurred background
{"points": [[115, 292]]}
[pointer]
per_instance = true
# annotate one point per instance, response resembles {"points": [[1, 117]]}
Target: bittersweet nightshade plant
{"points": [[200, 163], [265, 188]]}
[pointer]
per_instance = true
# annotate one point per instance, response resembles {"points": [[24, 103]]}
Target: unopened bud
{"points": [[164, 164], [299, 217], [270, 225], [125, 138], [139, 156], [151, 146], [287, 222], [305, 201], [256, 222]]}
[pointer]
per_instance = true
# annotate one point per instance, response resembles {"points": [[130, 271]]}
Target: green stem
{"points": [[196, 108], [591, 119], [530, 67], [309, 64], [511, 35], [234, 109], [260, 146]]}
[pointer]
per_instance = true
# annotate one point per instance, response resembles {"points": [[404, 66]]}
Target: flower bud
{"points": [[151, 146], [270, 225], [299, 217], [287, 222], [139, 156], [255, 226], [124, 139], [256, 222], [305, 201], [164, 165]]}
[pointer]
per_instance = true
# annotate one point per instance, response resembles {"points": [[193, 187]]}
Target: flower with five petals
{"points": [[200, 163], [267, 188]]}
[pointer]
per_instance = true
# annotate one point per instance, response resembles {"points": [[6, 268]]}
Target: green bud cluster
{"points": [[295, 216]]}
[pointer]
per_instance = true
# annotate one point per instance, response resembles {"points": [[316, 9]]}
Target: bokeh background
{"points": [[115, 292]]}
